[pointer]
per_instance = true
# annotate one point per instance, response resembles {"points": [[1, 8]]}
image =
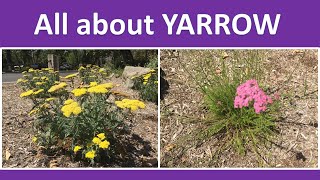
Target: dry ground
{"points": [[182, 113], [17, 132]]}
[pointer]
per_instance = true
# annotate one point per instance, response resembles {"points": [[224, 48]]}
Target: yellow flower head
{"points": [[76, 149], [45, 105], [81, 68], [44, 78], [72, 108], [101, 136], [93, 84], [152, 71], [79, 91], [57, 87], [77, 110], [34, 111], [97, 89], [34, 139], [39, 91], [101, 70], [27, 93], [96, 140], [19, 80], [147, 76], [69, 101], [131, 104], [50, 99], [39, 83], [107, 85], [35, 78], [31, 70], [90, 154], [71, 76], [104, 144]]}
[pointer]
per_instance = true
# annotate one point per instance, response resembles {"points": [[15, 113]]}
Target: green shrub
{"points": [[81, 121], [147, 85], [91, 73]]}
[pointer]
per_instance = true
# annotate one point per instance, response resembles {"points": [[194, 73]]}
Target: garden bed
{"points": [[140, 145]]}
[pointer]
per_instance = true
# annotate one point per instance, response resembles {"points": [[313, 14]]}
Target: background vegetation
{"points": [[116, 58]]}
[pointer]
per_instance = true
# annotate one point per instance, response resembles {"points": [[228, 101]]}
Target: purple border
{"points": [[299, 24], [161, 174]]}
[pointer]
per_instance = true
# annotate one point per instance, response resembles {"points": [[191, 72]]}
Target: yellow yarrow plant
{"points": [[38, 91], [72, 108], [91, 154], [76, 149], [79, 91], [104, 144], [57, 87], [71, 76], [131, 104], [27, 93]]}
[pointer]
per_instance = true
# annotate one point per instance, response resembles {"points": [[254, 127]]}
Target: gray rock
{"points": [[131, 71]]}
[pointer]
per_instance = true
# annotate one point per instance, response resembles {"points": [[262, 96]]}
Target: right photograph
{"points": [[234, 108]]}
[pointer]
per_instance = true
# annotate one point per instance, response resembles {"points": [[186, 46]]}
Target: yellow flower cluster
{"points": [[31, 70], [27, 93], [50, 99], [71, 76], [33, 111], [71, 107], [101, 88], [101, 70], [81, 68], [131, 104], [57, 87], [34, 139], [76, 149], [100, 140], [147, 76], [79, 91], [38, 91], [45, 78], [90, 154], [20, 80], [39, 83], [93, 84]]}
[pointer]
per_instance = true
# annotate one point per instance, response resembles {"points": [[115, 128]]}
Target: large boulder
{"points": [[130, 71]]}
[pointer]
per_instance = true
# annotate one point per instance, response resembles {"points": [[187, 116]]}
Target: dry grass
{"points": [[183, 112]]}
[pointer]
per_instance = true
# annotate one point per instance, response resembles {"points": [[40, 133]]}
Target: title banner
{"points": [[142, 23]]}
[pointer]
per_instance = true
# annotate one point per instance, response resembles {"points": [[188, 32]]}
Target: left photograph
{"points": [[77, 108]]}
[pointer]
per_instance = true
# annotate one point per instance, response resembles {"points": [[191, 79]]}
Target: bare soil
{"points": [[183, 111], [19, 151]]}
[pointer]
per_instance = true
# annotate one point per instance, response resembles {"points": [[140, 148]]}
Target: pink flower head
{"points": [[250, 91]]}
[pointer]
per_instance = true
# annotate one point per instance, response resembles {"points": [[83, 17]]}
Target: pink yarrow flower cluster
{"points": [[250, 91]]}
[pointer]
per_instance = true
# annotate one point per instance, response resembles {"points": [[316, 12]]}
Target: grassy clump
{"points": [[241, 129]]}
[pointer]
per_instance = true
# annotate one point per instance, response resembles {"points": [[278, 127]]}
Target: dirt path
{"points": [[183, 109], [17, 134]]}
